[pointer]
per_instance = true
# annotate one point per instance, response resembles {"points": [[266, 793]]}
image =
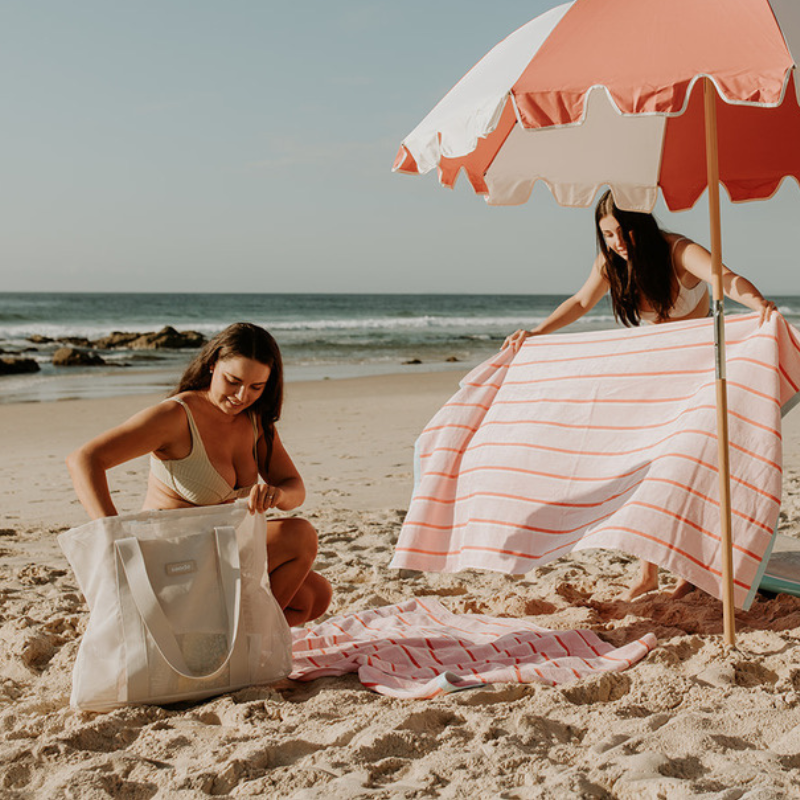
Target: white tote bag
{"points": [[180, 607]]}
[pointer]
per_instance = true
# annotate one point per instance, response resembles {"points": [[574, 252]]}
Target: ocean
{"points": [[320, 335]]}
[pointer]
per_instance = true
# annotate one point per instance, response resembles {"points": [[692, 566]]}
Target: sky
{"points": [[208, 146]]}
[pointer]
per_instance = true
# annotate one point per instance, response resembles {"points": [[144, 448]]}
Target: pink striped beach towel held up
{"points": [[607, 440]]}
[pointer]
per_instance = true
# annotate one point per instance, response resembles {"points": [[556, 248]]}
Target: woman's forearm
{"points": [[293, 493], [742, 291], [569, 311], [91, 485]]}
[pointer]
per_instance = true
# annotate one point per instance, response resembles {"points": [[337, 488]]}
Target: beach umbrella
{"points": [[640, 96]]}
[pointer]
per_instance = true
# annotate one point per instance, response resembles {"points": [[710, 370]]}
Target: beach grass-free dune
{"points": [[692, 720]]}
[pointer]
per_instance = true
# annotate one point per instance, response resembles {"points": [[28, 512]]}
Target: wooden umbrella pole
{"points": [[712, 167]]}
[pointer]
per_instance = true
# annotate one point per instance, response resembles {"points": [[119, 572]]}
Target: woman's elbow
{"points": [[81, 461], [582, 305], [73, 460]]}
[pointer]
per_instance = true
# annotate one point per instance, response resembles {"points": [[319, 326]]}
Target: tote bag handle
{"points": [[130, 557]]}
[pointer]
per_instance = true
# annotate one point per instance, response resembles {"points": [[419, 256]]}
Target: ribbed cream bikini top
{"points": [[194, 478]]}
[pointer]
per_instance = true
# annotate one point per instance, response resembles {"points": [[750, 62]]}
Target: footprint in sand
{"points": [[38, 575], [605, 688]]}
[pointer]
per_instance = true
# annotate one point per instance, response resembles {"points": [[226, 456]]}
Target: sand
{"points": [[693, 720]]}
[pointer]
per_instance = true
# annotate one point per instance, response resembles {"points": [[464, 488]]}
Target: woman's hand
{"points": [[516, 339], [767, 307], [263, 496]]}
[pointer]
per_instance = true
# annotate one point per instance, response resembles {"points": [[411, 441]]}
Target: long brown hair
{"points": [[248, 341], [651, 276]]}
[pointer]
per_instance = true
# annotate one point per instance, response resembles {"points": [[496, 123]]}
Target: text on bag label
{"points": [[180, 568]]}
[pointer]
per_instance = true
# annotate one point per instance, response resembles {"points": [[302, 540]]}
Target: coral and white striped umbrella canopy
{"points": [[604, 92]]}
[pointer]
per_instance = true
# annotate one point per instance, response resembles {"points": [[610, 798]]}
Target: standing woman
{"points": [[209, 442], [654, 277]]}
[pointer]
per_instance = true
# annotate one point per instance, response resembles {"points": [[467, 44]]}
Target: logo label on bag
{"points": [[177, 568]]}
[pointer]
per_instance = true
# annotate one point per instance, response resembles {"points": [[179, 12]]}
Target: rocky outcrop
{"points": [[115, 339], [17, 366], [167, 338], [170, 338], [73, 357]]}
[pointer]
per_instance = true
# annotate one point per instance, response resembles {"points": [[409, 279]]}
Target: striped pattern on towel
{"points": [[418, 649], [607, 440]]}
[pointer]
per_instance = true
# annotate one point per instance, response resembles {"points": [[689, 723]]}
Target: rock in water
{"points": [[169, 338], [16, 366], [73, 357], [115, 339]]}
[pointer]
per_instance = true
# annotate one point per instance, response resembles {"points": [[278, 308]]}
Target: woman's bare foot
{"points": [[647, 582], [682, 588]]}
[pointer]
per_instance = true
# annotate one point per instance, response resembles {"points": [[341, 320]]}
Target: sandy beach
{"points": [[692, 720]]}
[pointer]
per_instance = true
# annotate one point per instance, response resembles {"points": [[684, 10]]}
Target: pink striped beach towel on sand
{"points": [[418, 649], [607, 440]]}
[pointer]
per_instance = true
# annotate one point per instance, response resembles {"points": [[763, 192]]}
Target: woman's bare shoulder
{"points": [[146, 431], [674, 239], [599, 268], [161, 426], [165, 413]]}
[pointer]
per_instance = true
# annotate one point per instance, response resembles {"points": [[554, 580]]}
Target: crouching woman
{"points": [[209, 443]]}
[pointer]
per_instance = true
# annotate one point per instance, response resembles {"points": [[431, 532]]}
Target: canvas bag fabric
{"points": [[180, 607]]}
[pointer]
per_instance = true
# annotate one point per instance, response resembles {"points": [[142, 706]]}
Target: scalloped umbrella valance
{"points": [[637, 95]]}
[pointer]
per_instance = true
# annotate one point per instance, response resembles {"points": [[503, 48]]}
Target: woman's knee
{"points": [[310, 601], [292, 538], [322, 594]]}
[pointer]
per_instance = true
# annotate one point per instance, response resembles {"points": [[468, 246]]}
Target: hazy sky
{"points": [[247, 145]]}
